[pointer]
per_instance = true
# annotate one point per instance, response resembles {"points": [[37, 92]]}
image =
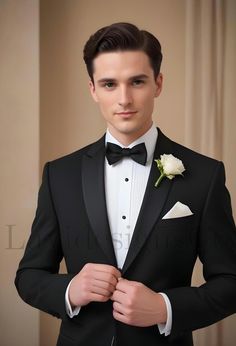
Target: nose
{"points": [[125, 97]]}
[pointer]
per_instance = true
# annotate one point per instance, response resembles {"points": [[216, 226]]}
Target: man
{"points": [[130, 245]]}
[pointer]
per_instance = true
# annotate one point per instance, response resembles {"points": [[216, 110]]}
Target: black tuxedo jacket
{"points": [[71, 222]]}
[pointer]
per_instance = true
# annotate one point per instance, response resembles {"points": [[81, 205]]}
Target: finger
{"points": [[111, 271], [119, 308], [120, 317], [104, 268], [106, 286], [101, 291], [122, 285], [95, 297], [118, 296], [105, 277]]}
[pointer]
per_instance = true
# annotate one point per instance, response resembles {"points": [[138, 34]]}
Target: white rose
{"points": [[171, 166]]}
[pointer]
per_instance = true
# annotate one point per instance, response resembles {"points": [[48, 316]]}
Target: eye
{"points": [[138, 82], [109, 85]]}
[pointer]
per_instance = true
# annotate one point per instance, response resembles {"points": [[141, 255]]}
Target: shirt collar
{"points": [[149, 138]]}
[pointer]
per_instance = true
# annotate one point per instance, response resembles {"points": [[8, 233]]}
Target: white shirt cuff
{"points": [[71, 313], [165, 328]]}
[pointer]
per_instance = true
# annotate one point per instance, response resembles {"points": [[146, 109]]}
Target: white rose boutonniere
{"points": [[169, 166]]}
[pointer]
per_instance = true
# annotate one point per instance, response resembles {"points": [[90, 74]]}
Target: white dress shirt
{"points": [[125, 185]]}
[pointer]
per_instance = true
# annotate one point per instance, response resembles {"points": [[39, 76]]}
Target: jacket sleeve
{"points": [[37, 279], [198, 307]]}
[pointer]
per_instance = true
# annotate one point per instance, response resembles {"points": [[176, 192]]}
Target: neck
{"points": [[127, 138]]}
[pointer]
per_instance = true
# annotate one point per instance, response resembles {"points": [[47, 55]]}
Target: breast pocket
{"points": [[178, 233], [178, 223]]}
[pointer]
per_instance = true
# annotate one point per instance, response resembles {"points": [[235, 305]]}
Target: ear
{"points": [[93, 91], [159, 83]]}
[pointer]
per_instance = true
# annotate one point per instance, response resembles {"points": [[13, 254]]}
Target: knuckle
{"points": [[100, 298], [135, 290], [113, 271], [113, 281], [128, 319], [129, 303], [110, 277], [107, 293], [108, 287], [85, 287], [104, 298], [87, 266], [84, 278]]}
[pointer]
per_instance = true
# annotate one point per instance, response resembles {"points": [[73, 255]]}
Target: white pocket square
{"points": [[178, 210]]}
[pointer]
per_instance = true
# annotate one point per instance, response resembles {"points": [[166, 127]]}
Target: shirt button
{"points": [[124, 217], [126, 179]]}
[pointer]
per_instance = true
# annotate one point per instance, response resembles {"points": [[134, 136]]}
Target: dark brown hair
{"points": [[122, 37]]}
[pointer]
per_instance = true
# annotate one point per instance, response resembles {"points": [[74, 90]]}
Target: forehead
{"points": [[121, 63]]}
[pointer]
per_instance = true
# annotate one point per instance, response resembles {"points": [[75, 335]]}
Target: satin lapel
{"points": [[94, 197], [153, 203]]}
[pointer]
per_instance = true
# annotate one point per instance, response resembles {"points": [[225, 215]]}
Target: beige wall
{"points": [[228, 328], [229, 106], [19, 157]]}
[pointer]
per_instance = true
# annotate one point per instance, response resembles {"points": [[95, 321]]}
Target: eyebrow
{"points": [[112, 80]]}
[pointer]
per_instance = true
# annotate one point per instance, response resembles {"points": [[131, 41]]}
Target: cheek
{"points": [[105, 108], [106, 101], [146, 102]]}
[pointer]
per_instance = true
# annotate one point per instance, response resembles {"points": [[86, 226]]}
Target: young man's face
{"points": [[125, 88]]}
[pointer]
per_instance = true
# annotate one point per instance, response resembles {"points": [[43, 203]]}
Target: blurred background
{"points": [[46, 111]]}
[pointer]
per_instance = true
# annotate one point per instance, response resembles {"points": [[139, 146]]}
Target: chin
{"points": [[127, 131], [128, 127]]}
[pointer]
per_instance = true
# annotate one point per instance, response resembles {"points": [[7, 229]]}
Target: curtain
{"points": [[210, 110], [205, 29]]}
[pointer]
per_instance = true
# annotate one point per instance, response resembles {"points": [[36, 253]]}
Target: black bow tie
{"points": [[115, 153]]}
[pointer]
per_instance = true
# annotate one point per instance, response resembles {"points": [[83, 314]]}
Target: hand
{"points": [[95, 282], [137, 305]]}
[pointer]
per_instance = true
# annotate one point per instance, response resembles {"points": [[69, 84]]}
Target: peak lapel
{"points": [[153, 202], [94, 197]]}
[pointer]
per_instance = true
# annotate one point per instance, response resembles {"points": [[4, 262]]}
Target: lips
{"points": [[126, 114]]}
